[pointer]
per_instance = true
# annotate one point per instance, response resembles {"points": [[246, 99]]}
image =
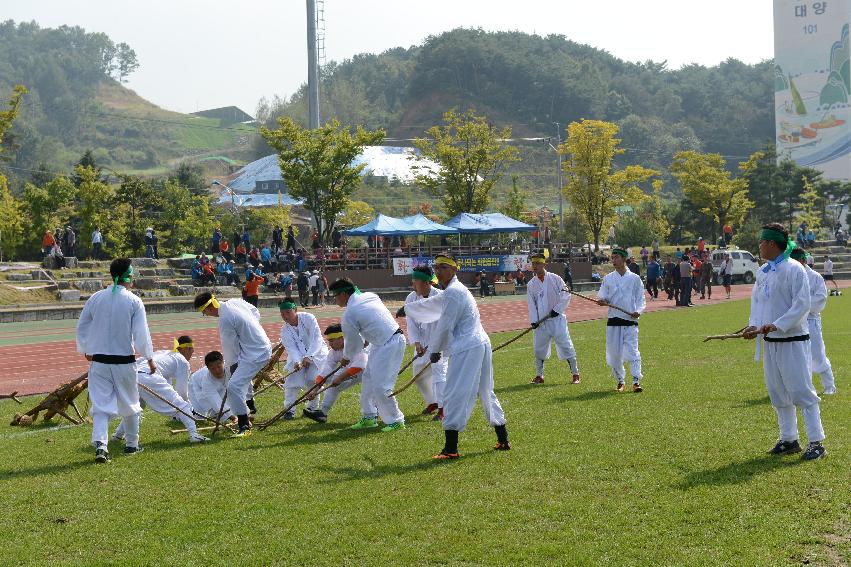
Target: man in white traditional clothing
{"points": [[366, 319], [306, 352], [172, 366], [780, 303], [460, 335], [624, 289], [819, 363], [343, 378], [246, 349], [207, 387], [547, 300], [111, 328], [433, 379]]}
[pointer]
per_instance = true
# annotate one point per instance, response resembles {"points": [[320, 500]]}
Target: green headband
{"points": [[620, 252], [123, 278], [799, 254], [422, 276], [771, 235], [348, 288], [286, 304]]}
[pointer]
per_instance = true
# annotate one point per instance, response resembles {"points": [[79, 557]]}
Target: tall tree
{"points": [[191, 175], [356, 214], [99, 208], [140, 198], [186, 220], [126, 61], [317, 165], [11, 223], [708, 184], [593, 186], [472, 155], [515, 201], [810, 206]]}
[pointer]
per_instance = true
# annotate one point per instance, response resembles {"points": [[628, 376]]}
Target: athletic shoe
{"points": [[636, 387], [576, 379], [814, 451], [315, 415], [366, 423], [198, 438], [829, 392], [101, 454], [785, 448], [395, 426], [289, 415], [133, 450], [438, 416], [243, 432], [430, 409], [620, 387], [443, 456], [502, 446], [538, 380]]}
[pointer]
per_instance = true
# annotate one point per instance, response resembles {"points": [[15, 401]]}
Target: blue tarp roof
{"points": [[428, 226], [488, 223], [384, 225], [257, 199]]}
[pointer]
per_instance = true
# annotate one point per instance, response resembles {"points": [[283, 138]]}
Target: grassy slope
{"points": [[674, 476]]}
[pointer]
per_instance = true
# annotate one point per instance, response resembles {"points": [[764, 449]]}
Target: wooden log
{"points": [[56, 402]]}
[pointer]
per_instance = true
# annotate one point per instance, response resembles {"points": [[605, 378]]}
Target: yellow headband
{"points": [[331, 336], [447, 261], [539, 260], [213, 301], [178, 345]]}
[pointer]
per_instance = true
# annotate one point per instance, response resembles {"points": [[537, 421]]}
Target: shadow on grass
{"points": [[588, 396], [754, 402], [312, 434], [371, 470], [736, 473], [524, 387]]}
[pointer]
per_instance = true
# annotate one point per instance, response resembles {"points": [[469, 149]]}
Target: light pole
{"points": [[237, 208], [558, 176]]}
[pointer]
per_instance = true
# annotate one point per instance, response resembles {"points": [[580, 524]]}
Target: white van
{"points": [[744, 265]]}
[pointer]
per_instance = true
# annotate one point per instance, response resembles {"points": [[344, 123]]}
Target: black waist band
{"points": [[398, 332], [114, 358], [787, 339], [618, 322]]}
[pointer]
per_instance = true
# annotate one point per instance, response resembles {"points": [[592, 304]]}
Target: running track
{"points": [[39, 366]]}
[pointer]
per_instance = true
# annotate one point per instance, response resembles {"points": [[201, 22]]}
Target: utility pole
{"points": [[558, 177], [312, 67]]}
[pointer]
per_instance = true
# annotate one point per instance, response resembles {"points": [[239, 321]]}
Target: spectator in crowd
{"points": [[302, 285], [196, 269], [654, 271], [706, 273], [721, 242], [701, 246], [47, 242], [520, 277], [254, 257], [313, 285], [149, 242], [314, 240], [246, 239], [260, 273], [203, 259], [217, 238], [801, 236], [679, 253], [811, 239], [568, 274], [240, 253], [634, 267], [322, 283], [290, 238], [695, 272], [668, 271], [265, 253], [656, 249], [337, 238], [728, 235], [224, 249], [644, 254], [70, 241], [277, 238], [155, 240], [727, 272], [226, 268], [685, 282], [208, 276], [97, 243], [236, 239], [251, 289], [484, 285]]}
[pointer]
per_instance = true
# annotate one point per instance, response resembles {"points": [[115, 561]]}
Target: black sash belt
{"points": [[114, 358], [787, 339], [398, 332], [618, 322]]}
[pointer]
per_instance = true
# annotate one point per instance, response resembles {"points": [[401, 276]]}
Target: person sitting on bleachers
{"points": [[207, 274], [226, 269]]}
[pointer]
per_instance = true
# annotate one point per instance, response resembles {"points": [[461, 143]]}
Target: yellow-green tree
{"points": [[472, 155], [656, 212], [48, 207], [710, 187], [593, 187], [186, 218], [810, 209], [98, 207], [356, 214], [265, 219], [515, 201], [11, 222]]}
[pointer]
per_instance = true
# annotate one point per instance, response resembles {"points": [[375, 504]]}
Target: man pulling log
{"points": [[245, 345], [306, 352]]}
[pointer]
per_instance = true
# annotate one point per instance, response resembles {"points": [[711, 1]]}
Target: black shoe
{"points": [[785, 448], [315, 415], [252, 409], [289, 415], [101, 454], [133, 450], [814, 451]]}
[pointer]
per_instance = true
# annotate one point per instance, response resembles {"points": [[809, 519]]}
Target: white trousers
{"points": [[303, 379], [430, 383], [239, 385], [789, 384], [161, 386], [181, 386], [622, 346], [554, 330], [819, 363], [329, 398], [379, 378], [113, 391], [470, 375]]}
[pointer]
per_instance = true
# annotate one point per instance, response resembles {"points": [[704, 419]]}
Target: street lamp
{"points": [[558, 176], [237, 208]]}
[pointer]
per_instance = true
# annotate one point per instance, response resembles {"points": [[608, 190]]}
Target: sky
{"points": [[200, 54]]}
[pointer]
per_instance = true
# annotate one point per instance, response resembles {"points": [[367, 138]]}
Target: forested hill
{"points": [[530, 82], [76, 102]]}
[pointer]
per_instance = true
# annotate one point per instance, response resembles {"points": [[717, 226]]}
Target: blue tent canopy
{"points": [[428, 226], [384, 226], [489, 223]]}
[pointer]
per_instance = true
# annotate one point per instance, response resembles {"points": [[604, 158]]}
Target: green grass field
{"points": [[677, 475]]}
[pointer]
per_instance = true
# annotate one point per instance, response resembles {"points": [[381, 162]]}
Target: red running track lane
{"points": [[41, 367]]}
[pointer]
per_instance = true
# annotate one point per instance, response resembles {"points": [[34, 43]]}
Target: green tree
{"points": [[141, 200], [810, 206], [515, 201], [708, 184], [126, 61], [263, 220], [317, 165], [356, 214], [593, 187], [186, 219], [11, 223], [47, 207], [98, 207], [191, 175], [472, 156]]}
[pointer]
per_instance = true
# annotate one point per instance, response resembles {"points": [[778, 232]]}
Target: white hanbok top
{"points": [[421, 332], [781, 296], [114, 323], [206, 391], [818, 293], [304, 340], [366, 319], [546, 296], [626, 291], [243, 338], [335, 356], [458, 328]]}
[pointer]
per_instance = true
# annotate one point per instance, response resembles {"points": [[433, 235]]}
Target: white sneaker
{"points": [[829, 392], [198, 438]]}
